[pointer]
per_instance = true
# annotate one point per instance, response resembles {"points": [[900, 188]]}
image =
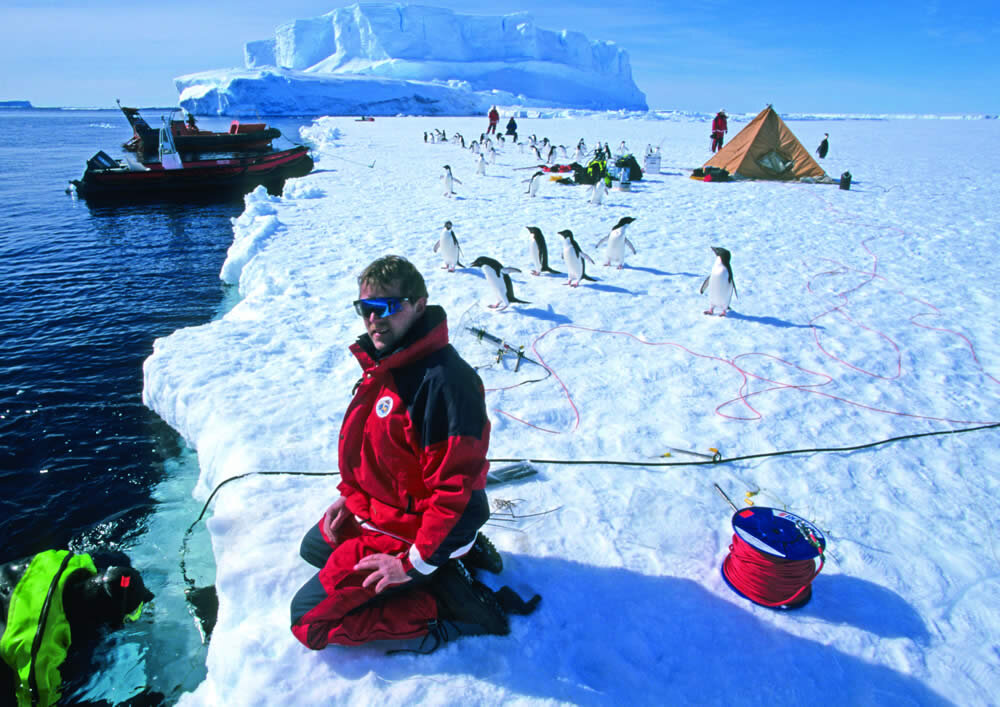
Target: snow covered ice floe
{"points": [[862, 315]]}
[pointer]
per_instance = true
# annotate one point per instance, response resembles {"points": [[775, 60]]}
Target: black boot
{"points": [[483, 556], [470, 605]]}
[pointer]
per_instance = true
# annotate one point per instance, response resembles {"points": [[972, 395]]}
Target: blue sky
{"points": [[842, 57]]}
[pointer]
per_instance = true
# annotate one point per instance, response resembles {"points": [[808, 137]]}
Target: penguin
{"points": [[539, 252], [823, 146], [493, 155], [461, 140], [617, 240], [481, 166], [597, 191], [538, 155], [499, 281], [622, 148], [425, 136], [474, 147], [575, 259], [533, 183], [451, 251], [449, 181], [720, 284]]}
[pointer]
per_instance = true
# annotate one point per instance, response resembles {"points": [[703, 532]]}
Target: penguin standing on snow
{"points": [[720, 284], [824, 146], [539, 252], [575, 259], [617, 240], [597, 191], [449, 181], [533, 183], [481, 166], [450, 250], [499, 281]]}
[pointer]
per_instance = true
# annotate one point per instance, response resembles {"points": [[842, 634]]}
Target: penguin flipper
{"points": [[436, 246], [584, 255], [629, 244], [602, 241], [704, 285]]}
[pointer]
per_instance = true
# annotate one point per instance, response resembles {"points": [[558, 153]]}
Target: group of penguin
{"points": [[719, 284]]}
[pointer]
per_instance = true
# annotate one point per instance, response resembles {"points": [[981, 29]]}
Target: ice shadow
{"points": [[841, 599], [661, 273], [610, 635], [614, 289], [770, 321]]}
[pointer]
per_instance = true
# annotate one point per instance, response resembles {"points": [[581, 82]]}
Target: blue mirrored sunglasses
{"points": [[379, 306]]}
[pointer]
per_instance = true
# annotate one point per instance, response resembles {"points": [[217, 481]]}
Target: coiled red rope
{"points": [[769, 580]]}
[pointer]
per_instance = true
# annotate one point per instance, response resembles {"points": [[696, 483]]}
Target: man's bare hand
{"points": [[334, 517], [386, 571]]}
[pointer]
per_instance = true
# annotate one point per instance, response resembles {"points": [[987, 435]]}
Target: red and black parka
{"points": [[413, 444]]}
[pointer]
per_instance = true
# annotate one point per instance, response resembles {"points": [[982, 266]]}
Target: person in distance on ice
{"points": [[395, 549], [617, 240], [451, 251], [720, 127], [720, 284]]}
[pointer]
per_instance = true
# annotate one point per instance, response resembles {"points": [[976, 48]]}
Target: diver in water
{"points": [[53, 605]]}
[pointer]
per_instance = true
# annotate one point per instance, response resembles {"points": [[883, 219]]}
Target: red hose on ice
{"points": [[766, 579]]}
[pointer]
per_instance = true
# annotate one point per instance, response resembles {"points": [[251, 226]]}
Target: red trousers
{"points": [[333, 607]]}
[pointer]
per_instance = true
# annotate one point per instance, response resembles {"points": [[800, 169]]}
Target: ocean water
{"points": [[86, 291]]}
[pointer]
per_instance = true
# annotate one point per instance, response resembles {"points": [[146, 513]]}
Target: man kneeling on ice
{"points": [[395, 550]]}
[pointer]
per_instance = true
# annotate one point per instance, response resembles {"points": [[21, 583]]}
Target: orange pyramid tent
{"points": [[766, 149]]}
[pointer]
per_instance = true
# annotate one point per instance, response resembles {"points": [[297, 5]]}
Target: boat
{"points": [[110, 179], [189, 138]]}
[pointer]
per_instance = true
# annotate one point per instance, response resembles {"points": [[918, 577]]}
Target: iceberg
{"points": [[390, 59]]}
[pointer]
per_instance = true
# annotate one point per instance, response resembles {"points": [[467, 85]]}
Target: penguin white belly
{"points": [[720, 289], [574, 263], [616, 248], [497, 285], [449, 250], [536, 257]]}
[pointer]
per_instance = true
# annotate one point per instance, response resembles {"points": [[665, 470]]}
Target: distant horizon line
{"points": [[18, 105]]}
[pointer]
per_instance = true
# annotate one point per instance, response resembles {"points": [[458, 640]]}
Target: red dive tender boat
{"points": [[109, 179], [189, 138]]}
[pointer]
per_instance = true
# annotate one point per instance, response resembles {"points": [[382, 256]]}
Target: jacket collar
{"points": [[428, 334]]}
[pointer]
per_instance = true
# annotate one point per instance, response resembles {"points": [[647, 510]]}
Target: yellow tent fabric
{"points": [[766, 149]]}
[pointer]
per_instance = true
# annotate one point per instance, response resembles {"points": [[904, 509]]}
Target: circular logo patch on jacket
{"points": [[384, 406]]}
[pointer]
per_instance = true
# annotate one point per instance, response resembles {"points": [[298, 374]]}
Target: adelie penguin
{"points": [[720, 284], [450, 250], [575, 259], [539, 252], [597, 191], [499, 281], [617, 241], [449, 181], [533, 183]]}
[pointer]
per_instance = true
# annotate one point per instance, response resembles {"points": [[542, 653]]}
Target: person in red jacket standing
{"points": [[719, 129], [412, 457], [494, 117]]}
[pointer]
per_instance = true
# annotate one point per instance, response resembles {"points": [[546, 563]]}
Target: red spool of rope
{"points": [[771, 561]]}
